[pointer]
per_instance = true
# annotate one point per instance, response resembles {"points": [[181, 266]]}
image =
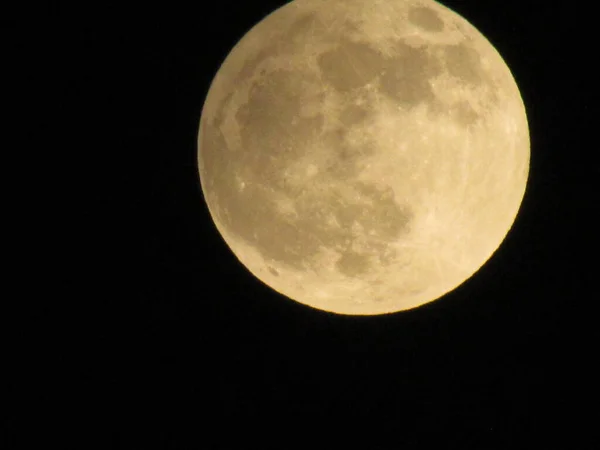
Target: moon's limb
{"points": [[363, 157]]}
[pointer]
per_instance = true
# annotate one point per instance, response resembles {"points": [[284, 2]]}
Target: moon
{"points": [[363, 157]]}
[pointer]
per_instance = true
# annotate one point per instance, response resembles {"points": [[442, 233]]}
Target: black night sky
{"points": [[160, 338]]}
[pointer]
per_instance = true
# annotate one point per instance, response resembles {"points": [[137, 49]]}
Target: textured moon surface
{"points": [[363, 156]]}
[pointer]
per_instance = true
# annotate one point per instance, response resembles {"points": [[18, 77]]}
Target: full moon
{"points": [[363, 157]]}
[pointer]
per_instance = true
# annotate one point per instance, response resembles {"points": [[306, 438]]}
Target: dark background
{"points": [[153, 335]]}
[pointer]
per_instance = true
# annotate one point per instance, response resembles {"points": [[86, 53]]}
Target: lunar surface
{"points": [[363, 156]]}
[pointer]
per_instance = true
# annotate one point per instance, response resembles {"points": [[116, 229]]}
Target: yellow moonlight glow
{"points": [[363, 156]]}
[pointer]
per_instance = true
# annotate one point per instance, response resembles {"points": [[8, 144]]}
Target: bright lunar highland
{"points": [[363, 156]]}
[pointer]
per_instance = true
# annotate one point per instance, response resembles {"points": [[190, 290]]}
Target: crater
{"points": [[306, 25], [214, 154], [346, 158], [464, 63], [250, 66], [272, 130], [350, 65], [352, 263], [461, 112], [406, 79], [353, 115], [425, 18], [219, 116], [464, 114], [387, 256], [385, 218]]}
